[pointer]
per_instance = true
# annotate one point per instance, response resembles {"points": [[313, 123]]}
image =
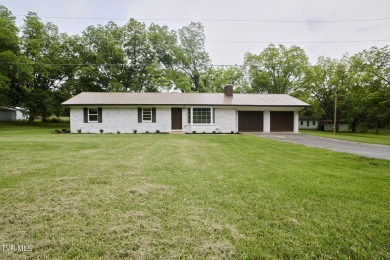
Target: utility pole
{"points": [[335, 112]]}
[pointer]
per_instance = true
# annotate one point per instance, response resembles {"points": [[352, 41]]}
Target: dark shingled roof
{"points": [[182, 99]]}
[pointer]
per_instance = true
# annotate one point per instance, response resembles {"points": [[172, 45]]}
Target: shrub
{"points": [[157, 131], [118, 132], [135, 131], [194, 132], [54, 120], [147, 132], [101, 131], [232, 132], [214, 132], [79, 131]]}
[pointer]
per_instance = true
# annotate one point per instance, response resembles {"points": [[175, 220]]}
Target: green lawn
{"points": [[383, 138], [187, 196]]}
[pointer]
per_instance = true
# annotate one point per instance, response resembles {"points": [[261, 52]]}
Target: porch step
{"points": [[177, 132]]}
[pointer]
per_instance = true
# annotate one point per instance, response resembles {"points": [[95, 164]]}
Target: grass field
{"points": [[383, 138], [187, 196]]}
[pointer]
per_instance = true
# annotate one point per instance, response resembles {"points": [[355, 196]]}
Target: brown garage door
{"points": [[250, 121], [282, 121]]}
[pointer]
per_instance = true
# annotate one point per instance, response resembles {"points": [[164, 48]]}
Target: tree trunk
{"points": [[31, 119], [376, 127], [354, 125]]}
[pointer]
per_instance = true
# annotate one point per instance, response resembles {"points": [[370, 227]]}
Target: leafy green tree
{"points": [[277, 70], [217, 77], [102, 59], [321, 82], [42, 45], [168, 55], [13, 70], [142, 71], [368, 96], [193, 60]]}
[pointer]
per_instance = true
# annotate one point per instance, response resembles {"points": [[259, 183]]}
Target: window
{"points": [[198, 115], [92, 115], [146, 115], [301, 122], [314, 122], [307, 123]]}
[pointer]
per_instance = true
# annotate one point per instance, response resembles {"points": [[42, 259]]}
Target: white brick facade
{"points": [[225, 122], [125, 120]]}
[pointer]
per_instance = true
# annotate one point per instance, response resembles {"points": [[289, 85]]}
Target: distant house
{"points": [[308, 122], [184, 112], [20, 113], [327, 125], [7, 114]]}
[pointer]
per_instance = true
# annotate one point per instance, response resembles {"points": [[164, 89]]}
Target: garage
{"points": [[250, 121], [282, 121]]}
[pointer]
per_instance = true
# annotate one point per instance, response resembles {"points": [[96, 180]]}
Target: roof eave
{"points": [[216, 105]]}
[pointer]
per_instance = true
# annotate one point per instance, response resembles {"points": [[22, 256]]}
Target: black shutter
{"points": [[139, 115], [85, 115], [153, 115], [100, 115]]}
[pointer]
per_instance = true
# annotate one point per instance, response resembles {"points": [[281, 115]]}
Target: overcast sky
{"points": [[294, 22]]}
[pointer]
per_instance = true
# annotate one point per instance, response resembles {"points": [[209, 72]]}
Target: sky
{"points": [[234, 27]]}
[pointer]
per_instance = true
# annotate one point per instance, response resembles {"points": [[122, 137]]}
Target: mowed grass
{"points": [[382, 138], [188, 196]]}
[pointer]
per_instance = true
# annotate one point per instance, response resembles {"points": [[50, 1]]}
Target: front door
{"points": [[176, 118]]}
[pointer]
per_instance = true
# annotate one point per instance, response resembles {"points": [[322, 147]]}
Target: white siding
{"points": [[296, 121], [6, 115], [311, 125], [124, 120], [342, 127], [267, 121], [225, 122]]}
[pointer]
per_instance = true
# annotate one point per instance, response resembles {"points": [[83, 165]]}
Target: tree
{"points": [[277, 70], [43, 47], [102, 58], [142, 71], [323, 80], [193, 60], [13, 71], [216, 78], [168, 55], [368, 97]]}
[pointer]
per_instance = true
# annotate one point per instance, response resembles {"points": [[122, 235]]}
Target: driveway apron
{"points": [[363, 149]]}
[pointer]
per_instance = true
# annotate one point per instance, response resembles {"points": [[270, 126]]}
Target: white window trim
{"points": [[97, 115], [151, 115], [212, 119]]}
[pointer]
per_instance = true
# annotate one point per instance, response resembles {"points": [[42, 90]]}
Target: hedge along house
{"points": [[183, 112]]}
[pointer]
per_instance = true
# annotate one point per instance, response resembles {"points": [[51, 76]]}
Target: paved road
{"points": [[363, 149]]}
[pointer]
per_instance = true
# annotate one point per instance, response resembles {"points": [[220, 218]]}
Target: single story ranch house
{"points": [[183, 112]]}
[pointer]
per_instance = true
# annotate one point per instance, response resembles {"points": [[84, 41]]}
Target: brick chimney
{"points": [[228, 90]]}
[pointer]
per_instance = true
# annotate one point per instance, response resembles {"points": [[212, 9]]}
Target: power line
{"points": [[214, 20], [290, 42], [85, 65]]}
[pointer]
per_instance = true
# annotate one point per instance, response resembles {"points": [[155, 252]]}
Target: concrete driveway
{"points": [[363, 149]]}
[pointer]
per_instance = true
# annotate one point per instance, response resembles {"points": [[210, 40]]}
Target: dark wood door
{"points": [[250, 121], [176, 118], [282, 121]]}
